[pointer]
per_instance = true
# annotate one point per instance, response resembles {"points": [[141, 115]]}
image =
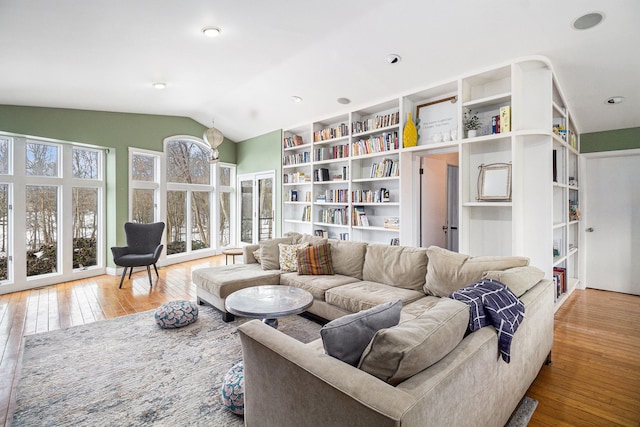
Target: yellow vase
{"points": [[410, 133]]}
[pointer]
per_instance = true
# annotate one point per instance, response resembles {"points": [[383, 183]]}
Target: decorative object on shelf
{"points": [[410, 133], [214, 138], [437, 117], [471, 123], [494, 182]]}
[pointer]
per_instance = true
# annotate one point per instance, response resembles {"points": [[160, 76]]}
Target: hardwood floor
{"points": [[594, 378]]}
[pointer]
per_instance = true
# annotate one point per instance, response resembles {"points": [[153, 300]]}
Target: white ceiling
{"points": [[105, 54]]}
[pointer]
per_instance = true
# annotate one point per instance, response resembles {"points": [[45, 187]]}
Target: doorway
{"points": [[256, 206], [612, 222], [439, 201]]}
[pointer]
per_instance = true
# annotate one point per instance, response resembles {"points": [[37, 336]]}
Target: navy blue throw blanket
{"points": [[492, 303]]}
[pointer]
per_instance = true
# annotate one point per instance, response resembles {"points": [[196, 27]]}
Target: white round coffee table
{"points": [[268, 302]]}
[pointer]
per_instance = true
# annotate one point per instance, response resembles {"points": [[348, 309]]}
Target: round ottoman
{"points": [[176, 314], [233, 389]]}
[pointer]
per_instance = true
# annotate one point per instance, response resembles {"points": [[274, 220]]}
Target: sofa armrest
{"points": [[247, 254], [290, 383]]}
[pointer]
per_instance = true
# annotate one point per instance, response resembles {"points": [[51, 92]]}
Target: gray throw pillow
{"points": [[346, 337]]}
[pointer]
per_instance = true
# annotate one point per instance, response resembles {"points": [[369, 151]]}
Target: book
{"points": [[505, 119]]}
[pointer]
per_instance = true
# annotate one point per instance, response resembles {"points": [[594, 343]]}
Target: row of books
{"points": [[386, 167], [296, 159], [560, 281], [376, 123], [331, 132], [335, 152], [295, 177], [292, 141], [338, 216], [323, 174], [384, 142], [370, 196], [324, 233], [306, 214], [395, 241], [293, 196], [359, 217], [333, 196]]}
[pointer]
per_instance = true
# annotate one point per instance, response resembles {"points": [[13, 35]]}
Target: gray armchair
{"points": [[143, 248]]}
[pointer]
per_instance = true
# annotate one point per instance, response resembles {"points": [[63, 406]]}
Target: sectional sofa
{"points": [[430, 370]]}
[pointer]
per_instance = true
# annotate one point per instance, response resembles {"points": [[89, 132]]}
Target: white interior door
{"points": [[613, 212]]}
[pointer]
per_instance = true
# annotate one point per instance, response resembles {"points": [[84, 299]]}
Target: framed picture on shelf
{"points": [[494, 182], [438, 121]]}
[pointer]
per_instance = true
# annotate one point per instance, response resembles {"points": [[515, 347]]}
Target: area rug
{"points": [[129, 372]]}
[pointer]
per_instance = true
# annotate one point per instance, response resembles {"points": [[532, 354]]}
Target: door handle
{"points": [[589, 230]]}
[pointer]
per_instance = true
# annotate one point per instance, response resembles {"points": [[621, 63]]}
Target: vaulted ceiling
{"points": [[105, 55]]}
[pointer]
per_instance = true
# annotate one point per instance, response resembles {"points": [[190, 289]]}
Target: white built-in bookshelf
{"points": [[351, 177]]}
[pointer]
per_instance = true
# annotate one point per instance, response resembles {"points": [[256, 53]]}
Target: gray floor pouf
{"points": [[176, 314]]}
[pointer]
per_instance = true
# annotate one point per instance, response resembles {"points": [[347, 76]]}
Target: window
{"points": [[144, 186], [226, 174], [189, 195], [51, 204]]}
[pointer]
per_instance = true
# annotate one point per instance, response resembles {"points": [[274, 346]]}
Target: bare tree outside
{"points": [[188, 163]]}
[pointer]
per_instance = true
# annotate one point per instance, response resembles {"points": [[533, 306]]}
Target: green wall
{"points": [[261, 154], [115, 131], [621, 139]]}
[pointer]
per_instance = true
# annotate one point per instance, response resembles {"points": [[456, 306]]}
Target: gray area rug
{"points": [[129, 372]]}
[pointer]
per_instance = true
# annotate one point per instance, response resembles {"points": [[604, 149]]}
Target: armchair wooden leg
{"points": [[156, 268], [149, 273], [130, 271], [124, 273]]}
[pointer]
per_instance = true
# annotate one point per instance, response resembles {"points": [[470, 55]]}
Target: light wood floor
{"points": [[594, 378]]}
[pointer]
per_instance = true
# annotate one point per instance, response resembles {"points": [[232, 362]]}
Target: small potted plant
{"points": [[471, 123]]}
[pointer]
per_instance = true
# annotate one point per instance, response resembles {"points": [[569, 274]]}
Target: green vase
{"points": [[410, 133]]}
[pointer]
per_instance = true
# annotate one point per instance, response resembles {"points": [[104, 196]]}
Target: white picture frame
{"points": [[494, 182]]}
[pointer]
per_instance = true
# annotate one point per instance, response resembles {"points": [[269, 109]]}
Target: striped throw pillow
{"points": [[315, 260]]}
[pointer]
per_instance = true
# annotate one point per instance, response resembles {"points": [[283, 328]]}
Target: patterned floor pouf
{"points": [[176, 314], [233, 389]]}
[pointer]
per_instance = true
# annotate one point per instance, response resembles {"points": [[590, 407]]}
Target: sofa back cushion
{"points": [[519, 279], [400, 266], [270, 253], [348, 257], [397, 353], [449, 271]]}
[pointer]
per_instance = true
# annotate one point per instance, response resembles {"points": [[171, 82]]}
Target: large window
{"points": [[189, 193], [51, 204]]}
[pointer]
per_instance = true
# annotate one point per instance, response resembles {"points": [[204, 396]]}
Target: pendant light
{"points": [[214, 138]]}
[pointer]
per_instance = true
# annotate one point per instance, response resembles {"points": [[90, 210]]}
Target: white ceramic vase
{"points": [[472, 133]]}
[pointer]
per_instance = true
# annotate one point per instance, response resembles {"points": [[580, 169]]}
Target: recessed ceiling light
{"points": [[211, 31], [296, 99], [344, 100], [614, 100], [159, 85], [393, 58], [587, 21]]}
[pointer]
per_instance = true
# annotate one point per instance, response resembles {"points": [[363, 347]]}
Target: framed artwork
{"points": [[438, 121], [494, 182]]}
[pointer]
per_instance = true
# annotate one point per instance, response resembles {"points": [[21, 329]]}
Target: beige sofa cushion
{"points": [[399, 266], [270, 253], [222, 281], [519, 279], [363, 295], [316, 285], [288, 255], [346, 337], [348, 257], [449, 271], [397, 353]]}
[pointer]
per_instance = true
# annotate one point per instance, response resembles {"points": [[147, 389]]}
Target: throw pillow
{"points": [[270, 253], [289, 256], [400, 352], [449, 271], [346, 337], [315, 260], [519, 279], [256, 255]]}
